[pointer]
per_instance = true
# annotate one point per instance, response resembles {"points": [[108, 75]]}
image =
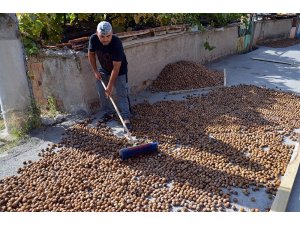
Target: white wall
{"points": [[14, 90], [146, 59], [272, 29]]}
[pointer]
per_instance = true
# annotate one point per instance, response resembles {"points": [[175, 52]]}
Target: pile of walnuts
{"points": [[185, 75]]}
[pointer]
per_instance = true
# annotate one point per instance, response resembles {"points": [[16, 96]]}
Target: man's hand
{"points": [[97, 75], [108, 91]]}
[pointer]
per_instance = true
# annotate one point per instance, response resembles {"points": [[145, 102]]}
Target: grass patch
{"points": [[8, 145], [51, 109], [21, 133], [52, 105], [34, 121], [2, 125]]}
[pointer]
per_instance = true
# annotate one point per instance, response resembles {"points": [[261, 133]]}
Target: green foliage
{"points": [[40, 29], [31, 47], [19, 133], [164, 19], [34, 115], [245, 26], [2, 125], [222, 19], [8, 144], [76, 18], [52, 106], [208, 47], [34, 121]]}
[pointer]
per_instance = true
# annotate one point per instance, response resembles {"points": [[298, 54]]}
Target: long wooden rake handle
{"points": [[119, 114]]}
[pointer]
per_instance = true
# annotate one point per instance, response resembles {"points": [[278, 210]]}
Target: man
{"points": [[113, 70]]}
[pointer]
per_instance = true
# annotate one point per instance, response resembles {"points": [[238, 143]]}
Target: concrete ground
{"points": [[241, 69], [29, 148]]}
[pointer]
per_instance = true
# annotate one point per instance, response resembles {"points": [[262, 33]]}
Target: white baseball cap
{"points": [[104, 28]]}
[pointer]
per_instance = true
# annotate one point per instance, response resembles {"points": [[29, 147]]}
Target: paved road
{"points": [[241, 69]]}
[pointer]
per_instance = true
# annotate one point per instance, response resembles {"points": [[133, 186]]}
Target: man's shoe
{"points": [[107, 117]]}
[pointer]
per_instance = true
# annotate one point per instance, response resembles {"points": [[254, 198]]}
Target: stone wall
{"points": [[68, 77]]}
